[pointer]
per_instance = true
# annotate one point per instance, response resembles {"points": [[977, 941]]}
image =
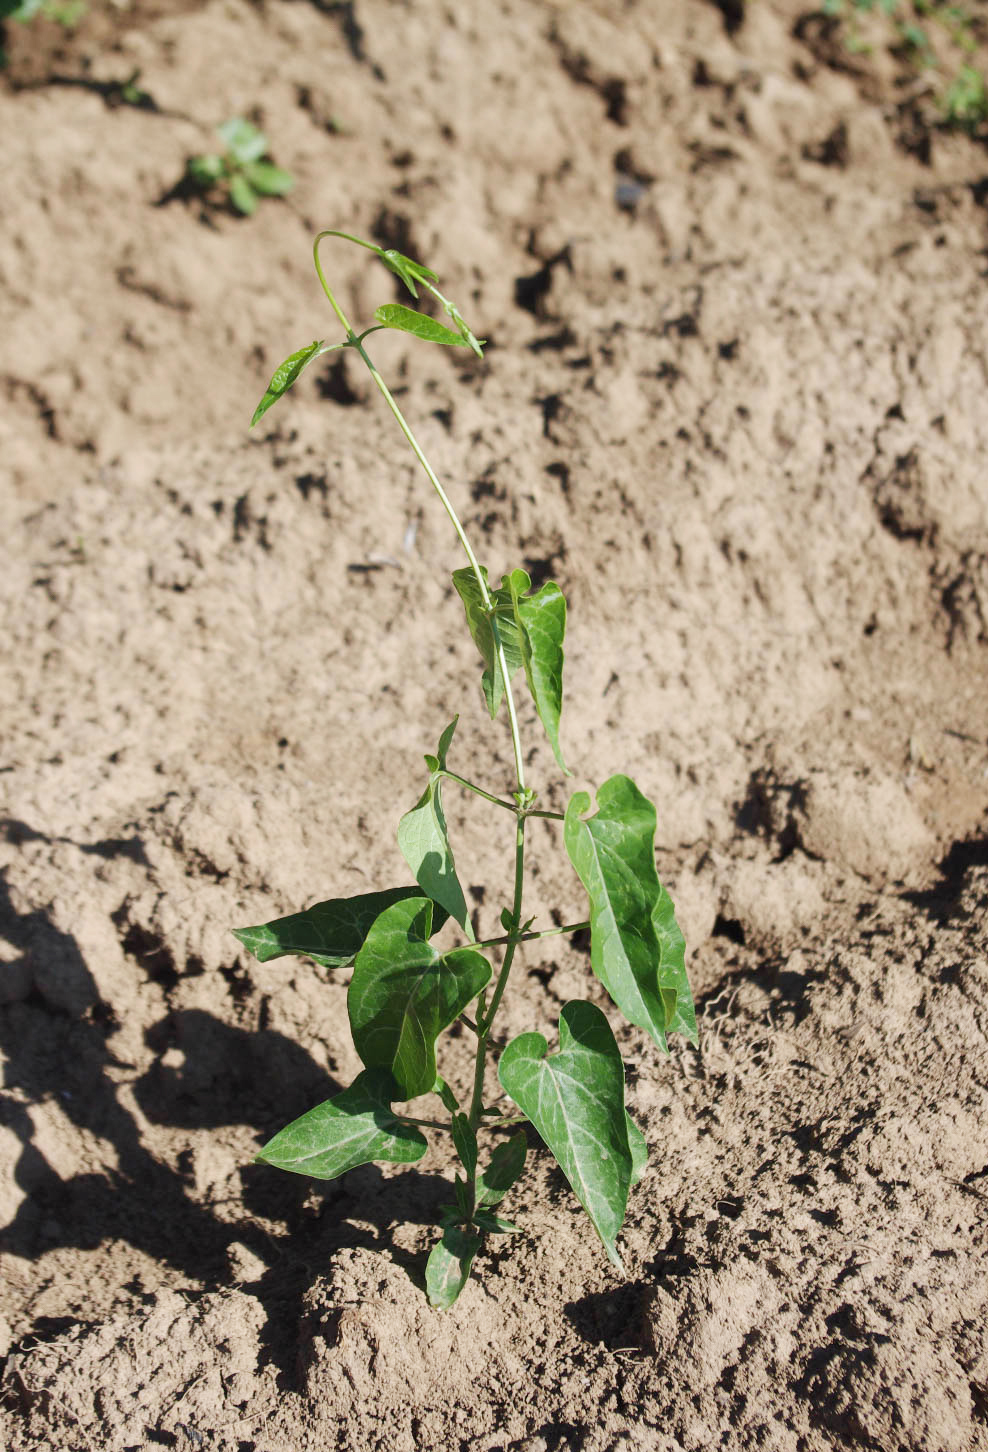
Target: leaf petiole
{"points": [[472, 787], [532, 937]]}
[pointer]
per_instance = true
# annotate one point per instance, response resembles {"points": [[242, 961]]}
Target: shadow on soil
{"points": [[57, 1049]]}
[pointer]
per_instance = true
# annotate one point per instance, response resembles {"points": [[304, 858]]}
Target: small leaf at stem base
{"points": [[639, 1150], [448, 1267], [267, 179], [507, 1163], [243, 195]]}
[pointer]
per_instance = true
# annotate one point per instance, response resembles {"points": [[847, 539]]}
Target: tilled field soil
{"points": [[735, 400]]}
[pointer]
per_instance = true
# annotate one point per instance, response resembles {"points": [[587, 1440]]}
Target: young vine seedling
{"points": [[404, 992]]}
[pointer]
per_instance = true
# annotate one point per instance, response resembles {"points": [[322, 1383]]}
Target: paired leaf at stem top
{"points": [[530, 628], [424, 841], [355, 1128], [410, 271], [403, 994], [331, 933], [575, 1099], [636, 947]]}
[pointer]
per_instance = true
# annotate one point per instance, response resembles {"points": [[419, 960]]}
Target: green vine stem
{"points": [[486, 1016]]}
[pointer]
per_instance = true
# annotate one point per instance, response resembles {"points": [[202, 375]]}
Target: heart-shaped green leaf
{"points": [[424, 842], [636, 948], [403, 994], [355, 1128], [331, 932], [575, 1099]]}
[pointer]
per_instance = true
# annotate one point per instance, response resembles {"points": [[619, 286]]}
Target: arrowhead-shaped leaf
{"points": [[575, 1099], [636, 948], [507, 1163], [541, 620], [355, 1128], [531, 630], [420, 325], [448, 1268], [479, 624], [424, 842], [331, 933], [403, 994], [284, 376]]}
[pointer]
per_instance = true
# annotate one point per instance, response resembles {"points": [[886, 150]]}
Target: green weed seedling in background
{"points": [[932, 33], [241, 172], [405, 991], [63, 12]]}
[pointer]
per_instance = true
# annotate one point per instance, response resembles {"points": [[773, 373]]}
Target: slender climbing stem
{"points": [[485, 594], [486, 1013], [487, 1017]]}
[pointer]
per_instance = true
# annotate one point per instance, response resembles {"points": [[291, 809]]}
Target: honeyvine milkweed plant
{"points": [[404, 992]]}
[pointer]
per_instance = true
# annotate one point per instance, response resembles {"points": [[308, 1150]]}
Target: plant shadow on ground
{"points": [[615, 1319], [942, 902], [228, 1076]]}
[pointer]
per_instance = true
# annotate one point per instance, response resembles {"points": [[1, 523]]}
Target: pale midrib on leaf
{"points": [[587, 1197], [612, 929], [360, 1132], [405, 1014]]}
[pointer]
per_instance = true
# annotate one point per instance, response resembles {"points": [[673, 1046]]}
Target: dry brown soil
{"points": [[736, 402]]}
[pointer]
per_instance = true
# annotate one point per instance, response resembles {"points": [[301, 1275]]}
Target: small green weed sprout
{"points": [[931, 33], [241, 171], [405, 992], [63, 12]]}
